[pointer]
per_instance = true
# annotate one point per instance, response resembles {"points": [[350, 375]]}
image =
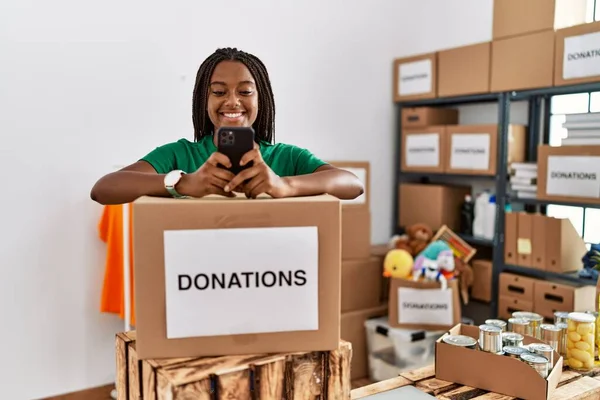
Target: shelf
{"points": [[538, 202], [550, 276], [555, 90], [441, 176], [442, 101], [477, 241]]}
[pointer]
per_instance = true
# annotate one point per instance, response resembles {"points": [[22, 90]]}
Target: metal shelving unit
{"points": [[538, 127]]}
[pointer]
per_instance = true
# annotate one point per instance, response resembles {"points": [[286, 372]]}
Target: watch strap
{"points": [[171, 188]]}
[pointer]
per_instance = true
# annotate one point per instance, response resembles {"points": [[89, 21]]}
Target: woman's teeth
{"points": [[232, 115]]}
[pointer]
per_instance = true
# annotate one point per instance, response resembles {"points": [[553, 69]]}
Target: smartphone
{"points": [[234, 142]]}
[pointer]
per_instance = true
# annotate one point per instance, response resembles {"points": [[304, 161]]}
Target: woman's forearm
{"points": [[126, 186], [336, 182]]}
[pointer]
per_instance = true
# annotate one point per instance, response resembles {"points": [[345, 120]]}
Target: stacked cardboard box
{"points": [[362, 271]]}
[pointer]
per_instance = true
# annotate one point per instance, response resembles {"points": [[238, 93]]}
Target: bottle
{"points": [[490, 218], [466, 215], [480, 211]]}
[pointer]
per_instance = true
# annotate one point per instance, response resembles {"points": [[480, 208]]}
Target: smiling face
{"points": [[232, 96]]}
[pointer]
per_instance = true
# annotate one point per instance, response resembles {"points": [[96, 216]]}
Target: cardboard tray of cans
{"points": [[499, 373]]}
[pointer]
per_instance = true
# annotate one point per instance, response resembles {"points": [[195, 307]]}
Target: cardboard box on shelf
{"points": [[523, 62], [415, 77], [511, 377], [569, 173], [353, 330], [518, 17], [464, 70], [434, 205], [423, 149], [361, 284], [577, 59], [564, 247], [471, 149], [510, 238], [482, 280], [538, 241], [508, 305], [516, 286], [245, 257], [550, 297], [423, 117], [524, 239]]}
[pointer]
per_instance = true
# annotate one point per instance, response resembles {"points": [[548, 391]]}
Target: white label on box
{"points": [[423, 150], [361, 174], [573, 176], [470, 151], [240, 281], [415, 77], [581, 56], [425, 306]]}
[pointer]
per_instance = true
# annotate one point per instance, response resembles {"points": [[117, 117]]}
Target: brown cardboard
{"points": [[513, 17], [591, 34], [361, 284], [564, 246], [362, 169], [396, 284], [492, 372], [152, 216], [510, 238], [523, 62], [434, 205], [507, 305], [356, 233], [516, 286], [379, 251], [482, 280], [422, 70], [524, 239], [538, 241], [545, 151], [551, 297], [464, 70], [431, 152], [353, 330], [422, 117], [515, 153]]}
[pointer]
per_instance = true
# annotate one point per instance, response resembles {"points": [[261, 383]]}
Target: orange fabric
{"points": [[110, 230]]}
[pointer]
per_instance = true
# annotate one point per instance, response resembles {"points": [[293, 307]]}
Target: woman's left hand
{"points": [[260, 178]]}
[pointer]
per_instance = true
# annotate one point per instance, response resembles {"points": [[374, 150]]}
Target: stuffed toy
{"points": [[398, 263], [436, 263], [416, 238]]}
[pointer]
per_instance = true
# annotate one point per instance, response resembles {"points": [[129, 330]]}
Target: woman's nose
{"points": [[233, 100]]}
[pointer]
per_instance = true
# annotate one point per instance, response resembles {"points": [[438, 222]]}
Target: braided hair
{"points": [[264, 126]]}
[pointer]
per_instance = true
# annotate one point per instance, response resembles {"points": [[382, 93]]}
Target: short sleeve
{"points": [[306, 162], [163, 158]]}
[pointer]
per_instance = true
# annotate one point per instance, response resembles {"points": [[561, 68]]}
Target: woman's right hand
{"points": [[208, 179]]}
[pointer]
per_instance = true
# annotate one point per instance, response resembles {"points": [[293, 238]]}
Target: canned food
{"points": [[535, 320], [460, 340], [551, 335], [514, 351], [545, 350], [497, 322], [562, 341], [561, 317], [512, 339], [537, 362], [581, 338], [519, 325], [490, 338]]}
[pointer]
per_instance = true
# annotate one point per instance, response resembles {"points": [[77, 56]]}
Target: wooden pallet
{"points": [[321, 374], [572, 385]]}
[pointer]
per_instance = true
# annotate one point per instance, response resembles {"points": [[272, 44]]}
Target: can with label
{"points": [[537, 362], [490, 338], [551, 335], [545, 350], [519, 325], [561, 317], [497, 322], [512, 339], [461, 341], [514, 351]]}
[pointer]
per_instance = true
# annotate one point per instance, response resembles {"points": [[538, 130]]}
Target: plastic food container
{"points": [[581, 339]]}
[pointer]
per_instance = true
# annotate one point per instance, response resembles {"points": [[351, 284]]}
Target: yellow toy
{"points": [[398, 263]]}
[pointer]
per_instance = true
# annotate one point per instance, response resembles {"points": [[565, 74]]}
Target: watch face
{"points": [[172, 178]]}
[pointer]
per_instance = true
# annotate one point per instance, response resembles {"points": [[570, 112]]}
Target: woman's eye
{"points": [[246, 92], [218, 93]]}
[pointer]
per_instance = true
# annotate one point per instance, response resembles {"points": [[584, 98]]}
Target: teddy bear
{"points": [[414, 241]]}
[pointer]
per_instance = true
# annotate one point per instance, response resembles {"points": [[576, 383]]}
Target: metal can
{"points": [[561, 317], [537, 362], [490, 338], [551, 335], [497, 322], [545, 350], [562, 341], [512, 339], [535, 321], [519, 325], [461, 341], [514, 351]]}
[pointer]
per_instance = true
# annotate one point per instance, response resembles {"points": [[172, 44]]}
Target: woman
{"points": [[232, 89]]}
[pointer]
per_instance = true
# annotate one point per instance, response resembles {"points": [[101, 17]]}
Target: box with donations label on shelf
{"points": [[222, 276]]}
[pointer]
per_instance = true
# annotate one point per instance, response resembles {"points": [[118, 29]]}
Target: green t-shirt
{"points": [[283, 159]]}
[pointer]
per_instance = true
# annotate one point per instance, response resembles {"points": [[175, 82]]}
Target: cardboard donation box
{"points": [[496, 373], [423, 149], [415, 77], [223, 276], [423, 305], [577, 59]]}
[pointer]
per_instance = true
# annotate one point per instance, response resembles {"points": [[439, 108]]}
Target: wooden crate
{"points": [[323, 375], [572, 385]]}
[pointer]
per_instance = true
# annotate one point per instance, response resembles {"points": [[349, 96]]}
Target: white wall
{"points": [[85, 86]]}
